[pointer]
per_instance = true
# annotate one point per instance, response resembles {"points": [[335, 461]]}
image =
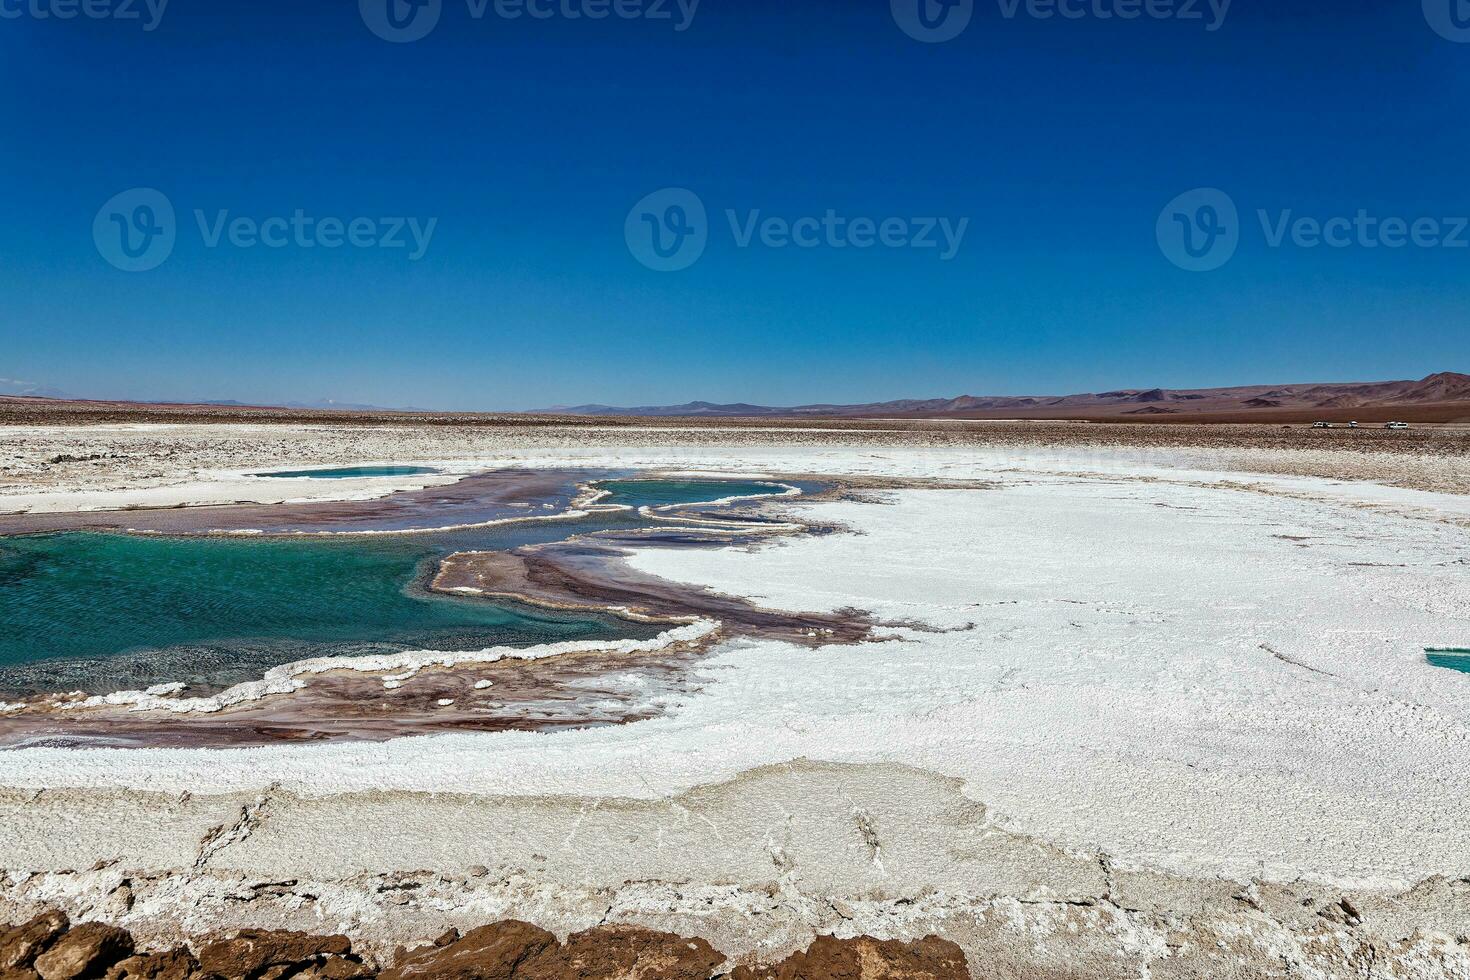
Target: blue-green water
{"points": [[352, 472], [102, 611], [1451, 657]]}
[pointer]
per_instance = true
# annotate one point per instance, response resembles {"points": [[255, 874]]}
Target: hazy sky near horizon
{"points": [[1040, 156]]}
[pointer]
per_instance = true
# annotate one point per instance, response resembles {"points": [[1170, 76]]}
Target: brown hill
{"points": [[1438, 398]]}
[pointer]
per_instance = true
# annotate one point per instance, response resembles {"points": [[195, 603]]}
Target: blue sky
{"points": [[527, 141]]}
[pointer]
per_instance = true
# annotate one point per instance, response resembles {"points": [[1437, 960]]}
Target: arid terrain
{"points": [[1437, 398], [81, 445], [1022, 699], [1442, 397]]}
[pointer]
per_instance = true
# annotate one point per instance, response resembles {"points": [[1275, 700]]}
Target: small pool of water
{"points": [[349, 473], [1452, 658]]}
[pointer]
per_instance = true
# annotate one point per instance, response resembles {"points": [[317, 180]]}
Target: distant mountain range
{"points": [[1442, 397], [1437, 389], [30, 389]]}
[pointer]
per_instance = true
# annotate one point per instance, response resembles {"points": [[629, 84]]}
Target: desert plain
{"points": [[1106, 699]]}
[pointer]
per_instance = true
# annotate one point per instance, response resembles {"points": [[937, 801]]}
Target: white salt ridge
{"points": [[670, 513], [288, 677], [565, 515], [220, 487], [786, 490], [715, 525]]}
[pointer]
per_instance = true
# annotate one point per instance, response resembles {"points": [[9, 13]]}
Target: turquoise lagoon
{"points": [[106, 611]]}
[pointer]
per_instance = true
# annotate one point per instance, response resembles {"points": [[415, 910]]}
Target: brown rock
{"points": [[492, 952], [23, 973], [176, 964], [334, 968], [20, 945], [865, 958], [624, 953], [86, 951], [251, 952]]}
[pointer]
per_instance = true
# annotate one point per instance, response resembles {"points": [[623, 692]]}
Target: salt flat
{"points": [[1204, 677], [1200, 679]]}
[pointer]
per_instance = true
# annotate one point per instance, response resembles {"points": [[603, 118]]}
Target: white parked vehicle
{"points": [[1321, 425], [1397, 425]]}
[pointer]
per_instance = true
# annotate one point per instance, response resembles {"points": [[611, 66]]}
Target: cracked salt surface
{"points": [[1177, 685]]}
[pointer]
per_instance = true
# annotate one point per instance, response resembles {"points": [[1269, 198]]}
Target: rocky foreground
{"points": [[49, 947]]}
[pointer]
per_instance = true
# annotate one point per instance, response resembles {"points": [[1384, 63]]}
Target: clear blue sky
{"points": [[529, 141]]}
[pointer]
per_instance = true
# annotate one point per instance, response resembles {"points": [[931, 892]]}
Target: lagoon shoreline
{"points": [[370, 697]]}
